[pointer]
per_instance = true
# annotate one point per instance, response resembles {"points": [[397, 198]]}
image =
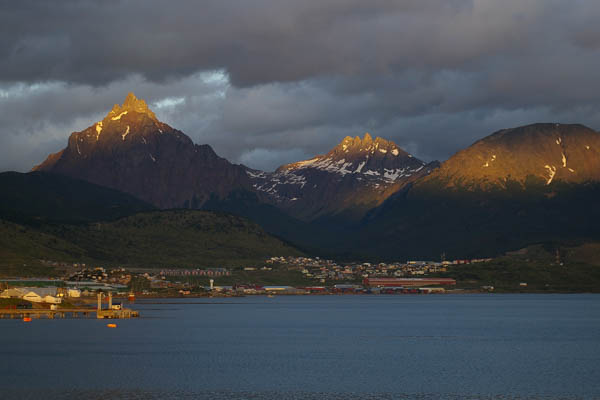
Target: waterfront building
{"points": [[15, 293], [404, 282]]}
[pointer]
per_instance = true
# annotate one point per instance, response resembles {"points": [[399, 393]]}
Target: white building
{"points": [[17, 293], [33, 294], [33, 297], [52, 299]]}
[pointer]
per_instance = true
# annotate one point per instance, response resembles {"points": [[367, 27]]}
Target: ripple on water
{"points": [[263, 395]]}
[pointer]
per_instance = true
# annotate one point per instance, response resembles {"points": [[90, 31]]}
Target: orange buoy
{"points": [[26, 319], [111, 325]]}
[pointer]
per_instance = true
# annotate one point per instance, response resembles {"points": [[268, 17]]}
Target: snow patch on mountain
{"points": [[118, 117], [487, 163], [98, 130], [551, 172], [360, 167], [256, 174]]}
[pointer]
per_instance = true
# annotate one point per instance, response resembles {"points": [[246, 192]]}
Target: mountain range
{"points": [[366, 197], [132, 151]]}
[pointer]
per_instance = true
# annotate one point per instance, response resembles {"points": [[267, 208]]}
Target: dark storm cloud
{"points": [[254, 41], [271, 81]]}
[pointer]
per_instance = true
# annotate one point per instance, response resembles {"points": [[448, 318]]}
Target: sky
{"points": [[268, 82]]}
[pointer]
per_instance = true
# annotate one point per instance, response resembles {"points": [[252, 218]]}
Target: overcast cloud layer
{"points": [[268, 82]]}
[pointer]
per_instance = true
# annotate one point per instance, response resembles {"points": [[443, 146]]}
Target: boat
{"points": [[111, 325]]}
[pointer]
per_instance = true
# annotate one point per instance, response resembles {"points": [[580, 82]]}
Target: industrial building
{"points": [[407, 282], [33, 294]]}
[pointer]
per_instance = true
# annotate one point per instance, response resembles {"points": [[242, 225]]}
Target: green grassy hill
{"points": [[22, 248], [175, 238], [185, 238], [576, 270], [46, 216]]}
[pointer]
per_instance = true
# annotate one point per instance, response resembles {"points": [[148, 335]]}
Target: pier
{"points": [[112, 312], [68, 313], [47, 313]]}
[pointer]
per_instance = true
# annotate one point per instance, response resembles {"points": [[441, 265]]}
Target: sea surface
{"points": [[312, 347]]}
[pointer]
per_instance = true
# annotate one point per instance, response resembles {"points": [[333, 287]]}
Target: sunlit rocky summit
{"points": [[356, 175], [132, 151], [548, 153]]}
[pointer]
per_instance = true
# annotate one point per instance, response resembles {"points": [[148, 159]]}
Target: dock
{"points": [[68, 313]]}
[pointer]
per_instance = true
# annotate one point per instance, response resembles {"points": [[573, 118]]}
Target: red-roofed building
{"points": [[397, 282]]}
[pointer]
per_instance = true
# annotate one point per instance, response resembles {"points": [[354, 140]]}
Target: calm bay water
{"points": [[424, 347]]}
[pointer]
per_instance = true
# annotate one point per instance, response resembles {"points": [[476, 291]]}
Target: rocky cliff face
{"points": [[354, 176], [132, 151]]}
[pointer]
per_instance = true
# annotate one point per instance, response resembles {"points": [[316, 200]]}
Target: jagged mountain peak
{"points": [[355, 174], [131, 104], [133, 121], [367, 138], [132, 151], [361, 147], [355, 155]]}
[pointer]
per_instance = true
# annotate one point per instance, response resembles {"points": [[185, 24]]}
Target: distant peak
{"points": [[369, 145], [132, 104]]}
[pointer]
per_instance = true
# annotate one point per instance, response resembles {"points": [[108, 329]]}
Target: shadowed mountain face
{"points": [[40, 197], [355, 176], [132, 151]]}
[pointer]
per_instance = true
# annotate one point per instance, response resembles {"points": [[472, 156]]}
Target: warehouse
{"points": [[404, 282]]}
